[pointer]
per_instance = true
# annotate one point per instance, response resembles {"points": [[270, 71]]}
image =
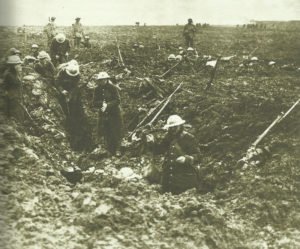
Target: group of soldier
{"points": [[77, 33], [179, 171]]}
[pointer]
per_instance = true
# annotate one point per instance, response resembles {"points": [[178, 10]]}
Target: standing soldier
{"points": [[59, 50], [71, 103], [178, 172], [110, 124], [50, 30], [13, 88], [77, 31], [189, 33]]}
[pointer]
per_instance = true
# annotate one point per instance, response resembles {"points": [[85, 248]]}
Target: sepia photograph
{"points": [[150, 124]]}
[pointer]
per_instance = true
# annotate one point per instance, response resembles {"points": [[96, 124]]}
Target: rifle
{"points": [[147, 116], [165, 104], [251, 151], [276, 121], [119, 53], [213, 75], [169, 70]]}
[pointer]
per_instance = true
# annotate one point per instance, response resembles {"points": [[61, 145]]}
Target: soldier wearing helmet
{"points": [[76, 123], [110, 125], [60, 48], [34, 50], [44, 66], [12, 87], [86, 42], [51, 30], [189, 33], [77, 31], [178, 172]]}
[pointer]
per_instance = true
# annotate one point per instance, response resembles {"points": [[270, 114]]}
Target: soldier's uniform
{"points": [[13, 89], [189, 34], [46, 69], [76, 121], [178, 177], [50, 30], [59, 50], [110, 124], [77, 31]]}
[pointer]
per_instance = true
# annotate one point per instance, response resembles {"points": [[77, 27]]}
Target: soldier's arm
{"points": [[97, 98], [68, 47], [190, 147], [116, 98]]}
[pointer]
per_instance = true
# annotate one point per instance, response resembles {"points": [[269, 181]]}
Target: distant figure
{"points": [[59, 50], [13, 88], [189, 33], [77, 31], [50, 30]]}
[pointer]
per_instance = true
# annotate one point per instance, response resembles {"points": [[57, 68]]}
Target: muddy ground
{"points": [[254, 207]]}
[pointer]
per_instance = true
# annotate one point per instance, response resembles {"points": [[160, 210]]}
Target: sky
{"points": [[152, 12]]}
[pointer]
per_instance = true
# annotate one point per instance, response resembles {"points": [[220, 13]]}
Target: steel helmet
{"points": [[190, 49], [102, 75], [174, 120], [60, 38], [53, 18], [180, 48], [34, 46], [178, 57], [171, 57], [43, 55], [14, 51], [13, 59], [77, 18], [86, 37], [73, 62], [72, 69]]}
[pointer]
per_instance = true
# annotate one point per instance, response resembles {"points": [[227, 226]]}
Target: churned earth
{"points": [[239, 206]]}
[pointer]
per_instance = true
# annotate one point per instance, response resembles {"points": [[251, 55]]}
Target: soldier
{"points": [[70, 100], [110, 123], [189, 33], [60, 48], [77, 31], [50, 30], [44, 66], [3, 61], [34, 50], [13, 88], [86, 42], [178, 172]]}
